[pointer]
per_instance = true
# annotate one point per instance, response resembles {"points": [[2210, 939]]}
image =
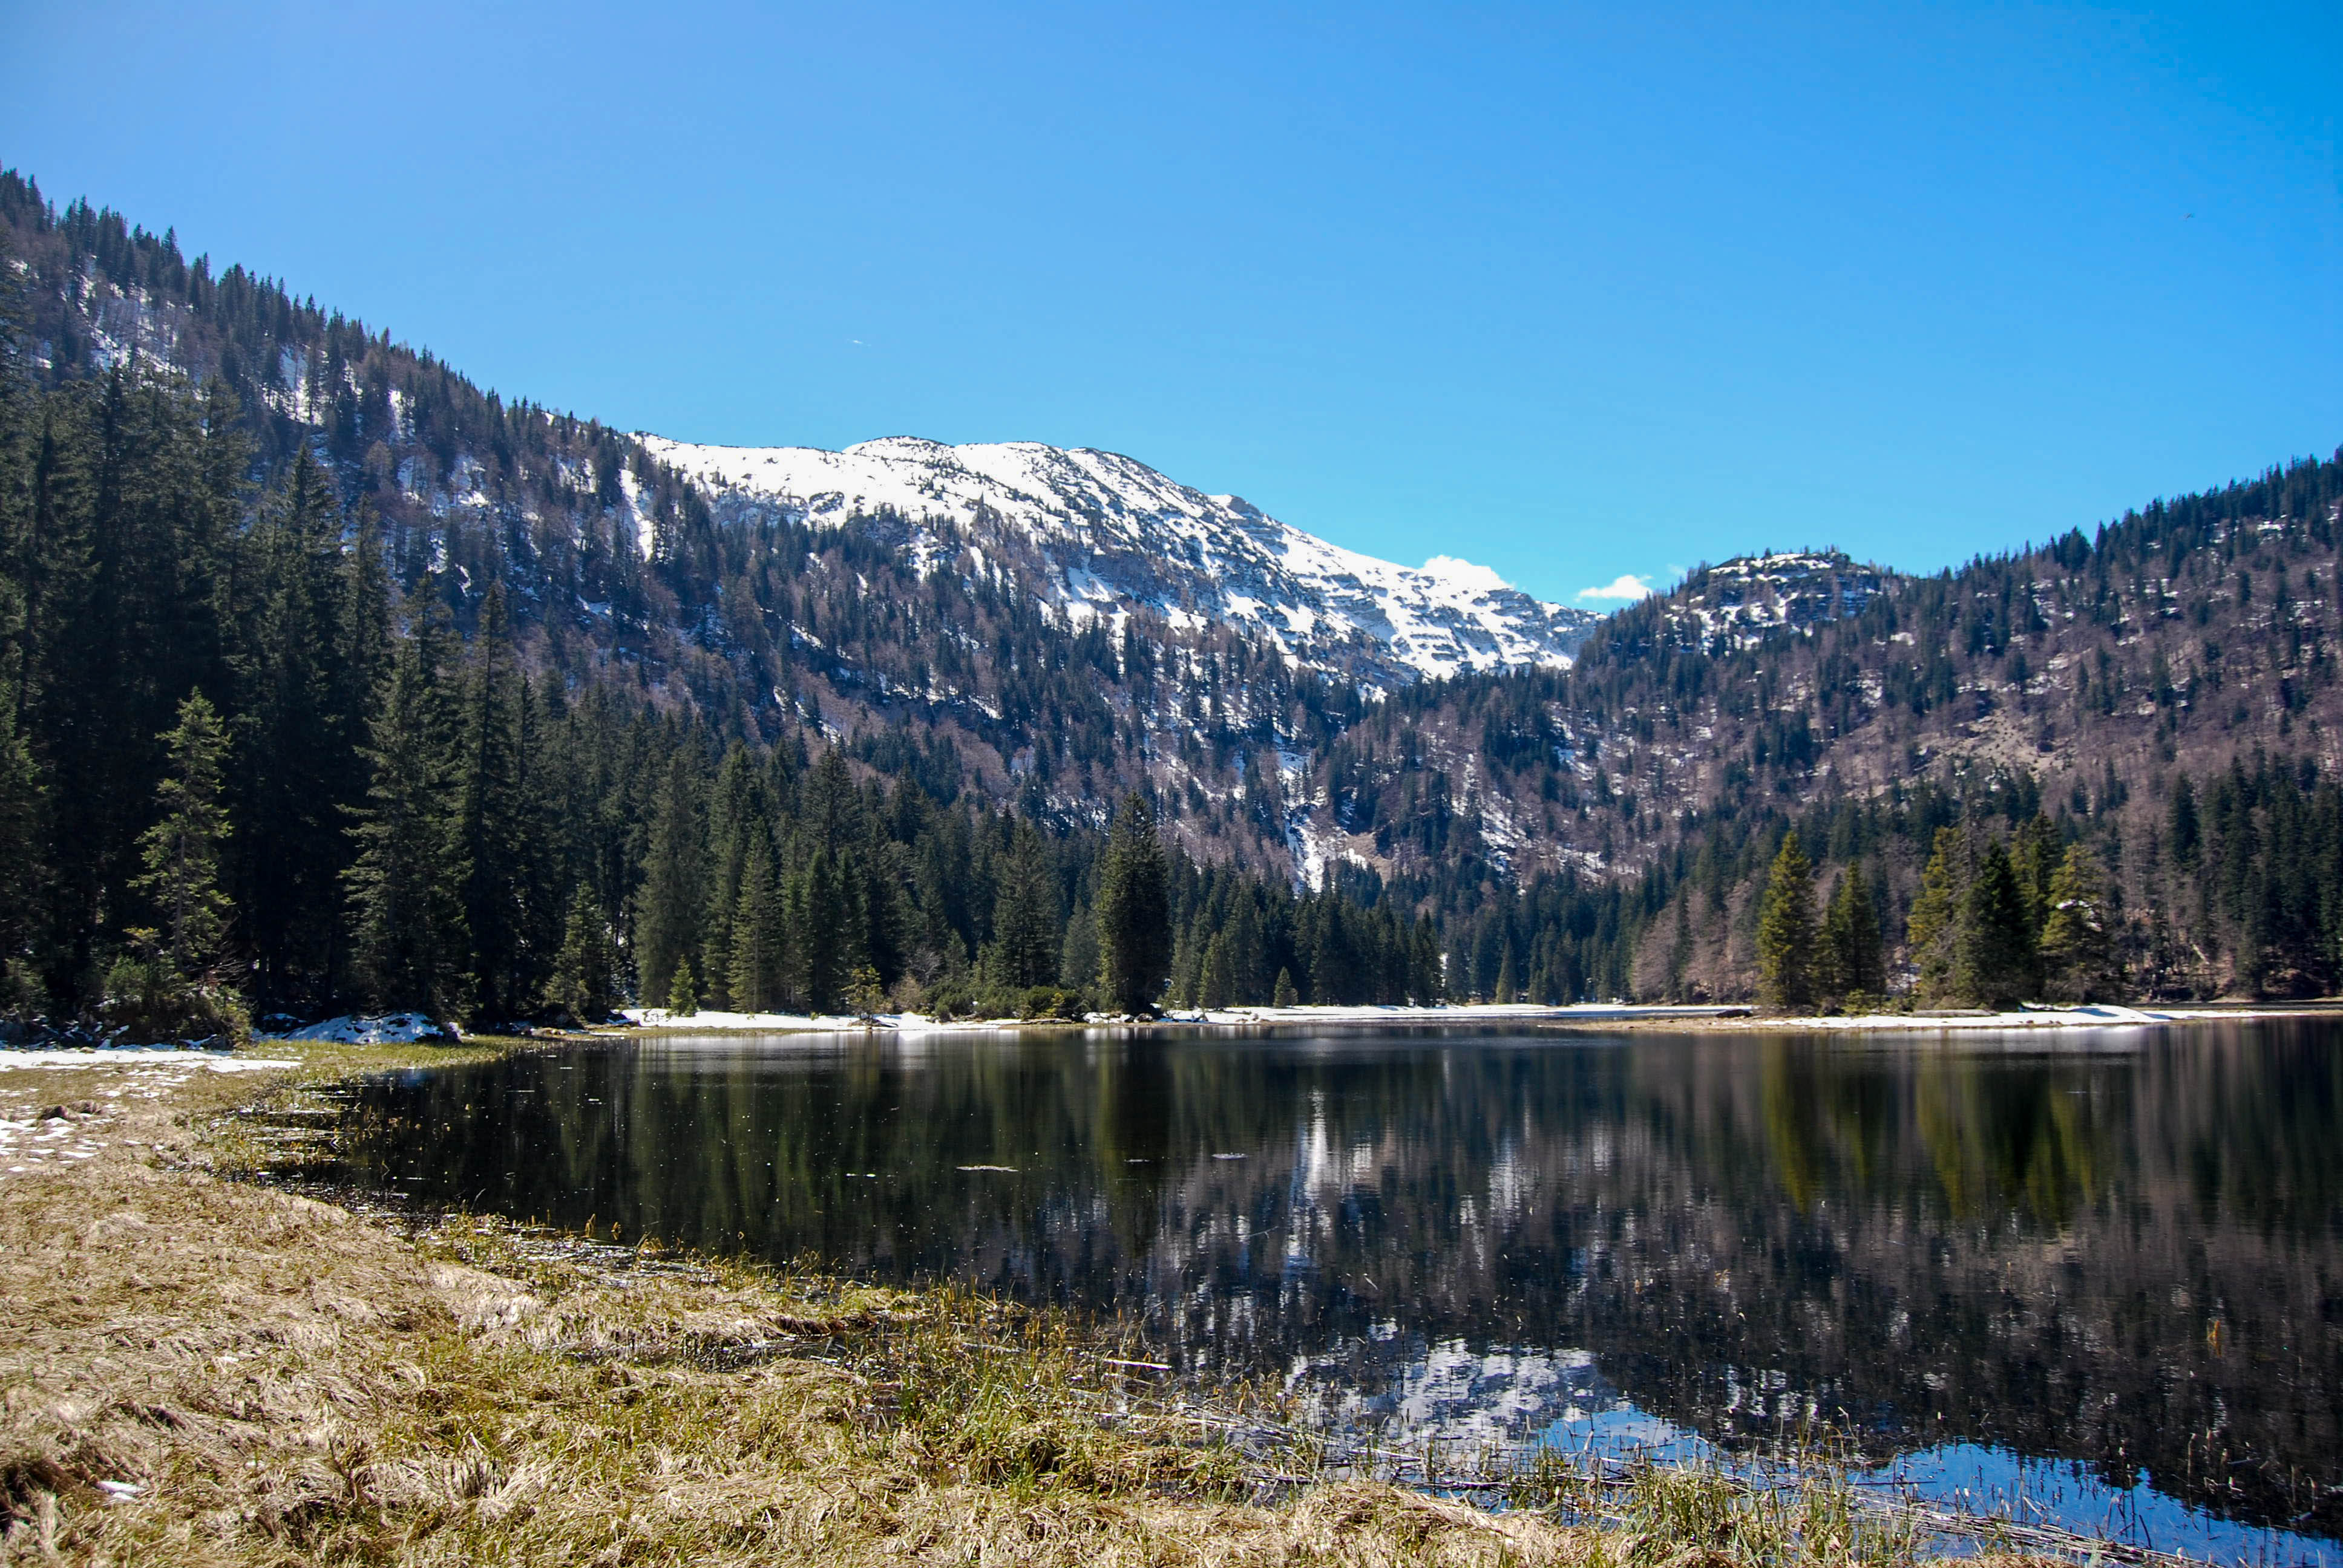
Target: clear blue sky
{"points": [[1570, 292]]}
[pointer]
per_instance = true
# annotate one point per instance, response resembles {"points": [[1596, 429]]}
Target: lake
{"points": [[2097, 1275]]}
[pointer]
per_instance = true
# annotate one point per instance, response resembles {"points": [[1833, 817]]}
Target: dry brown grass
{"points": [[202, 1370]]}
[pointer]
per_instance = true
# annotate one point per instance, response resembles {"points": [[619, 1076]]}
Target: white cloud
{"points": [[1465, 574], [1627, 587]]}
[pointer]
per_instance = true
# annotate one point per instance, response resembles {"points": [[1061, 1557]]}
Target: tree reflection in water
{"points": [[2122, 1249]]}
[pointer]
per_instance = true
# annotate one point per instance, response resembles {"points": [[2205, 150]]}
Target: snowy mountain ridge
{"points": [[1111, 534]]}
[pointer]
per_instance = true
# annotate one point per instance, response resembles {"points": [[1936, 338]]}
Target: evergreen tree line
{"points": [[616, 569], [2178, 637], [1997, 922], [2226, 884], [239, 765]]}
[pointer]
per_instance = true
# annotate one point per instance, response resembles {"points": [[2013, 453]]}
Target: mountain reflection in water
{"points": [[2122, 1248]]}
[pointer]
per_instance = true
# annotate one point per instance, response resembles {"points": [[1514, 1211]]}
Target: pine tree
{"points": [[171, 989], [736, 817], [182, 852], [1025, 936], [304, 689], [821, 933], [1846, 952], [1283, 994], [1680, 950], [1247, 979], [1214, 987], [1935, 914], [1993, 947], [492, 823], [1078, 959], [2078, 938], [410, 945], [667, 910], [1426, 986], [2034, 856], [1785, 930], [1849, 962], [683, 992], [23, 993], [1134, 913], [582, 984], [759, 962], [864, 996]]}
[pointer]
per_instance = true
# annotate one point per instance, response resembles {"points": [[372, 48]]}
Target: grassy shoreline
{"points": [[197, 1368]]}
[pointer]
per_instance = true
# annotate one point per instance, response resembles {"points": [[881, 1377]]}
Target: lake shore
{"points": [[1729, 1018], [203, 1368]]}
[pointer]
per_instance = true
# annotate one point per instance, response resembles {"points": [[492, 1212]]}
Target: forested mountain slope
{"points": [[2081, 681], [545, 642], [1153, 638]]}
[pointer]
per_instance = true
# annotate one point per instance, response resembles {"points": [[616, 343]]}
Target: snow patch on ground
{"points": [[2103, 1015], [919, 1023], [1457, 1013], [389, 1028], [36, 1137], [768, 1023], [136, 1056]]}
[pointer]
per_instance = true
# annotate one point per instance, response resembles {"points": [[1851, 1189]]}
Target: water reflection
{"points": [[2123, 1250]]}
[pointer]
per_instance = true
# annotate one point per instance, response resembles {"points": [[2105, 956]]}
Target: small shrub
{"points": [[951, 998], [149, 1005], [1050, 1003]]}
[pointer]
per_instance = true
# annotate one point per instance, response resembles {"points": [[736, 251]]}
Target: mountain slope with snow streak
{"points": [[1107, 534]]}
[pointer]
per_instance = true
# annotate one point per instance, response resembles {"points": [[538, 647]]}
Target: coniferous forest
{"points": [[243, 771], [282, 735]]}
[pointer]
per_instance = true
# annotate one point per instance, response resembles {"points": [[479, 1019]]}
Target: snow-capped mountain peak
{"points": [[1106, 534]]}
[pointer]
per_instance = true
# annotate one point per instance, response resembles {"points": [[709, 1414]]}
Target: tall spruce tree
{"points": [[1935, 913], [171, 987], [1134, 913], [182, 851], [2078, 958], [493, 823], [1993, 948], [583, 982], [1215, 986], [667, 910], [1025, 927], [759, 940], [1425, 984], [304, 710], [23, 993], [736, 816], [821, 933], [411, 944], [1785, 930], [1849, 959]]}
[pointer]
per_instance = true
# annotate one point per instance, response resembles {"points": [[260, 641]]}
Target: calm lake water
{"points": [[2099, 1276]]}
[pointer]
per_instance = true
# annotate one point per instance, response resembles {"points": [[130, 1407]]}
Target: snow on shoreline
{"points": [[920, 1023], [34, 1137], [2094, 1016], [28, 1058], [389, 1028]]}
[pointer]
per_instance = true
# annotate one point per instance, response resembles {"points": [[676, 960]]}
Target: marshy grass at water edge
{"points": [[199, 1369]]}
